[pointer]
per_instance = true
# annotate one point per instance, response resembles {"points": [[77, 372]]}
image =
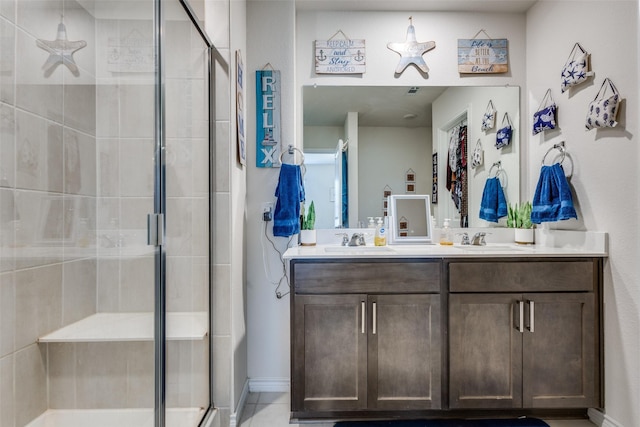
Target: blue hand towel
{"points": [[290, 192], [552, 200], [493, 205]]}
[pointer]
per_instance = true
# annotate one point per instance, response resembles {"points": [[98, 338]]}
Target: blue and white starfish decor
{"points": [[411, 51], [61, 51]]}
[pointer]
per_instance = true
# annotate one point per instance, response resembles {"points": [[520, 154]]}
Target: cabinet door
{"points": [[560, 366], [485, 353], [329, 359], [404, 352]]}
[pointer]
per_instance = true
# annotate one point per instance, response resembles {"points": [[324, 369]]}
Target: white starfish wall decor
{"points": [[61, 51], [411, 51]]}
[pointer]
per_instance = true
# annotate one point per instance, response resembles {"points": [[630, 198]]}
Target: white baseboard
{"points": [[258, 385], [234, 419], [601, 419]]}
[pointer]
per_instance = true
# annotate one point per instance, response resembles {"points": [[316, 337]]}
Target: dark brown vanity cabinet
{"points": [[365, 336], [524, 334]]}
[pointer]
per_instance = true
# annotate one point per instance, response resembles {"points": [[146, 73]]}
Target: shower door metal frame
{"points": [[159, 204]]}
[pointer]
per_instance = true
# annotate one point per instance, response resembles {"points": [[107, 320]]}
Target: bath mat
{"points": [[512, 422]]}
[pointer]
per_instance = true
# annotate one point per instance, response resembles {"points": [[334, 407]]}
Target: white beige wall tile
{"points": [[137, 284], [30, 384], [39, 153], [222, 229], [38, 303], [34, 92], [136, 167], [221, 299], [108, 154], [7, 392], [61, 375], [7, 60], [79, 290], [7, 145], [223, 151], [7, 313], [136, 111]]}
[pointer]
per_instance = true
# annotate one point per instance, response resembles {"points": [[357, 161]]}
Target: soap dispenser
{"points": [[371, 223], [446, 236], [381, 233]]}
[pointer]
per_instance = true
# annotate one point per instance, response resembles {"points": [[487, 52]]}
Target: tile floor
{"points": [[272, 410]]}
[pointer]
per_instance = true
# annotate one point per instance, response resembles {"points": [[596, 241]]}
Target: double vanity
{"points": [[410, 331]]}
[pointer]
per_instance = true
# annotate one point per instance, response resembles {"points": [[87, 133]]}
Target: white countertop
{"points": [[551, 243]]}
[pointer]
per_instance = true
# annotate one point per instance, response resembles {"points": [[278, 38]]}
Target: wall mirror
{"points": [[410, 219], [389, 130]]}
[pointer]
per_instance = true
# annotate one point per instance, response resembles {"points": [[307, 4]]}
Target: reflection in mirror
{"points": [[410, 218], [389, 130]]}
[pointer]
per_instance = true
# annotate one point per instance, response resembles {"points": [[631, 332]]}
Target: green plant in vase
{"points": [[307, 228], [309, 222], [519, 217]]}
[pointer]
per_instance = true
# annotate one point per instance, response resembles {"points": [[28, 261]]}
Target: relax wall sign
{"points": [[268, 128]]}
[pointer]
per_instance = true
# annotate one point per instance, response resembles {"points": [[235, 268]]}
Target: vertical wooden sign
{"points": [[268, 127]]}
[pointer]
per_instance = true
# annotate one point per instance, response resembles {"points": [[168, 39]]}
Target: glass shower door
{"points": [[186, 157]]}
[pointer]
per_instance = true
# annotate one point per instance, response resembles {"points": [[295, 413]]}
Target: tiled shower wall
{"points": [[47, 196]]}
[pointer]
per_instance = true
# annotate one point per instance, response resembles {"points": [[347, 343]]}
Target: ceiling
{"points": [[388, 106], [510, 6]]}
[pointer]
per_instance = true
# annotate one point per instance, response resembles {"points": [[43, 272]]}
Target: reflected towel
{"points": [[493, 205], [552, 200], [290, 192]]}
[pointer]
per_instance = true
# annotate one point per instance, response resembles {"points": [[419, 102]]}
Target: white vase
{"points": [[308, 237], [523, 235]]}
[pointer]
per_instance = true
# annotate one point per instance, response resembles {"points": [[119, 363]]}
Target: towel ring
{"points": [[497, 164], [292, 151], [560, 147], [499, 173]]}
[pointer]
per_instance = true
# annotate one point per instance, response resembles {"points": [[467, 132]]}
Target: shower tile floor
{"points": [[272, 410]]}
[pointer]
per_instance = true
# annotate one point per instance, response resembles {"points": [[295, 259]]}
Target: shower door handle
{"points": [[155, 229]]}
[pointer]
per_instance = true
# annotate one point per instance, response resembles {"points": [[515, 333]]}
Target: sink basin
{"points": [[358, 249], [489, 248]]}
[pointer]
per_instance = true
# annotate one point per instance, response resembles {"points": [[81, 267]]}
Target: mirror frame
{"points": [[394, 232]]}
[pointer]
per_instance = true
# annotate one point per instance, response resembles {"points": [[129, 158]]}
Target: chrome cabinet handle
{"points": [[375, 318], [520, 317], [532, 316], [363, 319]]}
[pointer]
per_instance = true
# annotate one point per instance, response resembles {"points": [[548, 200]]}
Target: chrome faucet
{"points": [[465, 239], [478, 239], [345, 238], [357, 240]]}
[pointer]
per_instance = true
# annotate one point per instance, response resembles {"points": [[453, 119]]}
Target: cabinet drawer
{"points": [[366, 276], [523, 276]]}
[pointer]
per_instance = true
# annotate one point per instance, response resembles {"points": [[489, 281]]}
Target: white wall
{"points": [[385, 154], [270, 39], [605, 177]]}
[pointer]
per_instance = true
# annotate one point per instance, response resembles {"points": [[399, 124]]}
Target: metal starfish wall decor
{"points": [[61, 51], [411, 51]]}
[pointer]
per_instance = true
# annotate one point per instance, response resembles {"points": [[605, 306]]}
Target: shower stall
{"points": [[105, 212]]}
